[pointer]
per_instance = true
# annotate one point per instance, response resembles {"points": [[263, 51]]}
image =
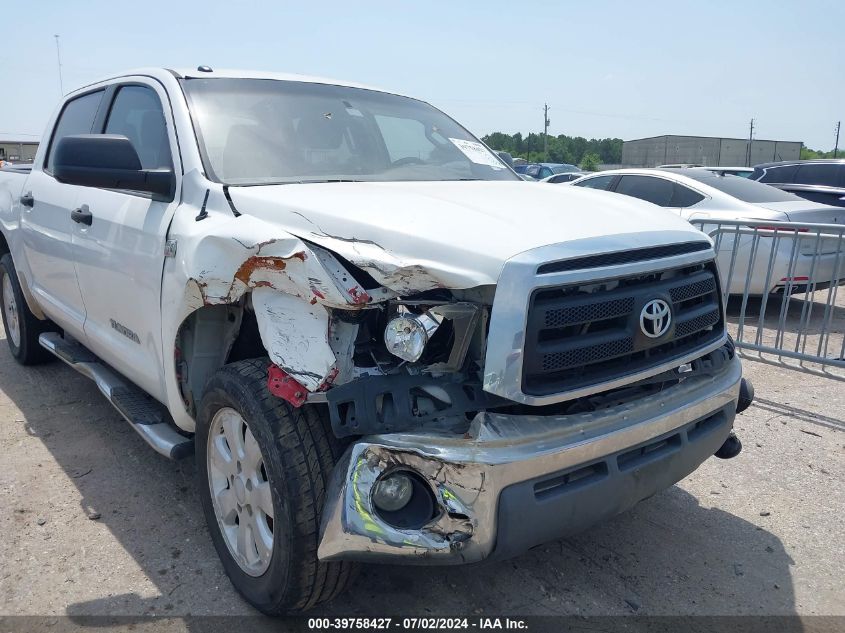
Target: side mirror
{"points": [[109, 161]]}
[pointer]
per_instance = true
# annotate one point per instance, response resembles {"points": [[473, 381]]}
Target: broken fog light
{"points": [[393, 492], [407, 335]]}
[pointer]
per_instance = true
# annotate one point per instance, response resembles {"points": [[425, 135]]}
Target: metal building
{"points": [[17, 151], [706, 150]]}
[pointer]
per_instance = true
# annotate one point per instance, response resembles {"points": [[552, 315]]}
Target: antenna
{"points": [[59, 60]]}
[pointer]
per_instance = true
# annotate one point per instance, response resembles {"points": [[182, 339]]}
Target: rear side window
{"points": [[779, 174], [77, 117], [136, 114], [655, 190], [820, 174], [599, 182], [663, 193], [685, 197]]}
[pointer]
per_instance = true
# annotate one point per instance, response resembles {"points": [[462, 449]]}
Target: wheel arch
{"points": [[22, 280]]}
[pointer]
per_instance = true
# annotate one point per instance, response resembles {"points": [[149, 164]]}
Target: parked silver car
{"points": [[697, 194]]}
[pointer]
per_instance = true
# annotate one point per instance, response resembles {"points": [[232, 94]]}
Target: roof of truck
{"points": [[227, 73]]}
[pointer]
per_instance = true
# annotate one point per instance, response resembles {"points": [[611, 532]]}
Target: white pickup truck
{"points": [[379, 343]]}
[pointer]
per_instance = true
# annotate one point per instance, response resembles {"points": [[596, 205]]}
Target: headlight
{"points": [[407, 335]]}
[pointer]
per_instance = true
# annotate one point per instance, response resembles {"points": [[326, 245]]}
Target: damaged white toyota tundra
{"points": [[379, 342]]}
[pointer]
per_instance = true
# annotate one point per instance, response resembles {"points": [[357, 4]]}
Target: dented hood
{"points": [[413, 236]]}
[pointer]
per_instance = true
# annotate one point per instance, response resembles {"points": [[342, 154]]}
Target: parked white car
{"points": [[700, 194], [564, 178]]}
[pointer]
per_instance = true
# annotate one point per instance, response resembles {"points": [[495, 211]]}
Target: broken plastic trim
{"points": [[390, 404], [283, 386]]}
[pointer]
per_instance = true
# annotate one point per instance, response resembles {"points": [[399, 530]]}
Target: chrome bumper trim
{"points": [[468, 475]]}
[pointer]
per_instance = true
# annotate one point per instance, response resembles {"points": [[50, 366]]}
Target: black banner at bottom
{"points": [[402, 624]]}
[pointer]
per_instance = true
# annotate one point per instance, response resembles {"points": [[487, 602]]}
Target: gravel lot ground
{"points": [[94, 522]]}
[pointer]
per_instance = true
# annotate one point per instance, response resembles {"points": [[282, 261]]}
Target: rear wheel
{"points": [[263, 468], [22, 327]]}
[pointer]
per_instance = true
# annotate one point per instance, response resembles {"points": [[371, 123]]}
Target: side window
{"points": [[77, 117], [779, 174], [136, 114], [545, 172], [655, 190], [819, 174], [599, 182], [685, 197]]}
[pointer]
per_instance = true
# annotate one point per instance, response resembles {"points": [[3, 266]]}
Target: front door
{"points": [[120, 255]]}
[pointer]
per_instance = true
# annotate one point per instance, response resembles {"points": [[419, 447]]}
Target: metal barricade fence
{"points": [[783, 280]]}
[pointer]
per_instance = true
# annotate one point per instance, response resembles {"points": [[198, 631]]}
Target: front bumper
{"points": [[517, 481]]}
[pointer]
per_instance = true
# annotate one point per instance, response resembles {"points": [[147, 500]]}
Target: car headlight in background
{"points": [[407, 335]]}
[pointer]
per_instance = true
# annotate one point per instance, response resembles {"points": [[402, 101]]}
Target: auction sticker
{"points": [[477, 153]]}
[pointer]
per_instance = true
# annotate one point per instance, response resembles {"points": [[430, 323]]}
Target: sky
{"points": [[626, 69]]}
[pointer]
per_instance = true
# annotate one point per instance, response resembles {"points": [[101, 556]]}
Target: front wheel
{"points": [[263, 469]]}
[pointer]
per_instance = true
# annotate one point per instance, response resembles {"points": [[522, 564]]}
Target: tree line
{"points": [[587, 153], [809, 154], [576, 150]]}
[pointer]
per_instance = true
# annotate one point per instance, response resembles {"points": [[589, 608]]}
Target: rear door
{"points": [[46, 226], [120, 256]]}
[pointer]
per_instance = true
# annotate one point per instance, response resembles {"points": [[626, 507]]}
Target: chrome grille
{"points": [[587, 333]]}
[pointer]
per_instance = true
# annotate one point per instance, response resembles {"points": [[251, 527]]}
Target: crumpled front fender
{"points": [[225, 264]]}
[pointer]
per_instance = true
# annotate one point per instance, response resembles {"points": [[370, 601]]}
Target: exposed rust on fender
{"points": [[246, 270], [329, 379], [359, 296]]}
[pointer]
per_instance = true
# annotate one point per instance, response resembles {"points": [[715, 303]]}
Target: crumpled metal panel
{"points": [[223, 265], [295, 334]]}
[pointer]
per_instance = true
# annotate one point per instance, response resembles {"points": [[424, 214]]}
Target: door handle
{"points": [[27, 200], [82, 215]]}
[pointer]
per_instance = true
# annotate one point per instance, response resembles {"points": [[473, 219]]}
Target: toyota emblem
{"points": [[655, 318]]}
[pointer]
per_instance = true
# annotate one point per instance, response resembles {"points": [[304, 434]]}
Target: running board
{"points": [[145, 414]]}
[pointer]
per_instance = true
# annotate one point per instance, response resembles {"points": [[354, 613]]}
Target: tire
{"points": [[21, 325], [298, 451]]}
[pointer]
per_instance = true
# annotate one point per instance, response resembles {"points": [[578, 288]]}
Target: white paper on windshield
{"points": [[477, 153]]}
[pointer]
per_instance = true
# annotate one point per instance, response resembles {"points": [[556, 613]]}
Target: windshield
{"points": [[257, 131], [741, 188], [563, 168]]}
